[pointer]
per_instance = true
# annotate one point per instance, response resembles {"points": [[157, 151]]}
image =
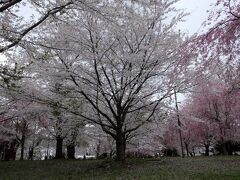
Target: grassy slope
{"points": [[167, 168]]}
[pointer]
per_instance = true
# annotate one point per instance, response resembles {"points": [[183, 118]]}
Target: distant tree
{"points": [[170, 138]]}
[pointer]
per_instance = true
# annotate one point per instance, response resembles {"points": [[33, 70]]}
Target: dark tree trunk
{"points": [[7, 154], [229, 147], [8, 150], [224, 147], [4, 151], [98, 150], [187, 149], [59, 148], [193, 151], [22, 143], [13, 149], [71, 151], [30, 153], [206, 150], [120, 148]]}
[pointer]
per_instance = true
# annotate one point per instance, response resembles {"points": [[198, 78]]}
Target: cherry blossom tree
{"points": [[218, 47], [223, 36], [217, 55], [214, 105], [124, 65], [170, 138]]}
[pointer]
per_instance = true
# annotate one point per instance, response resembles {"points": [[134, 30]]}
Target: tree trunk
{"points": [[30, 153], [22, 143], [206, 150], [193, 151], [187, 149], [4, 152], [224, 149], [120, 148], [229, 147], [98, 150], [13, 149], [224, 146], [59, 146], [71, 151]]}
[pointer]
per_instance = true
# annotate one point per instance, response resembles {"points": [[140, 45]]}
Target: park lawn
{"points": [[221, 168]]}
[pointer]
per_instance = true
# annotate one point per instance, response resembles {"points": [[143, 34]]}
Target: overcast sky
{"points": [[197, 10]]}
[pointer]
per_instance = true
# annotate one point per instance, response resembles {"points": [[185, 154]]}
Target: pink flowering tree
{"points": [[218, 47], [214, 106], [222, 36], [199, 129]]}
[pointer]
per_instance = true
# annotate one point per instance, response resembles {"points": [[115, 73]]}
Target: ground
{"points": [[220, 168]]}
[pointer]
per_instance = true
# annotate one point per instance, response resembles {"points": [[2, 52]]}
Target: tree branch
{"points": [[8, 4], [27, 30]]}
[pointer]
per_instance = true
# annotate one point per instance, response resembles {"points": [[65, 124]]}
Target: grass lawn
{"points": [[220, 168]]}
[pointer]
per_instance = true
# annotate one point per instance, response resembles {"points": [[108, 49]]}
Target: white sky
{"points": [[198, 14], [196, 8]]}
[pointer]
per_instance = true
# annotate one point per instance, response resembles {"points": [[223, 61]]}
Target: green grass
{"points": [[220, 168]]}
